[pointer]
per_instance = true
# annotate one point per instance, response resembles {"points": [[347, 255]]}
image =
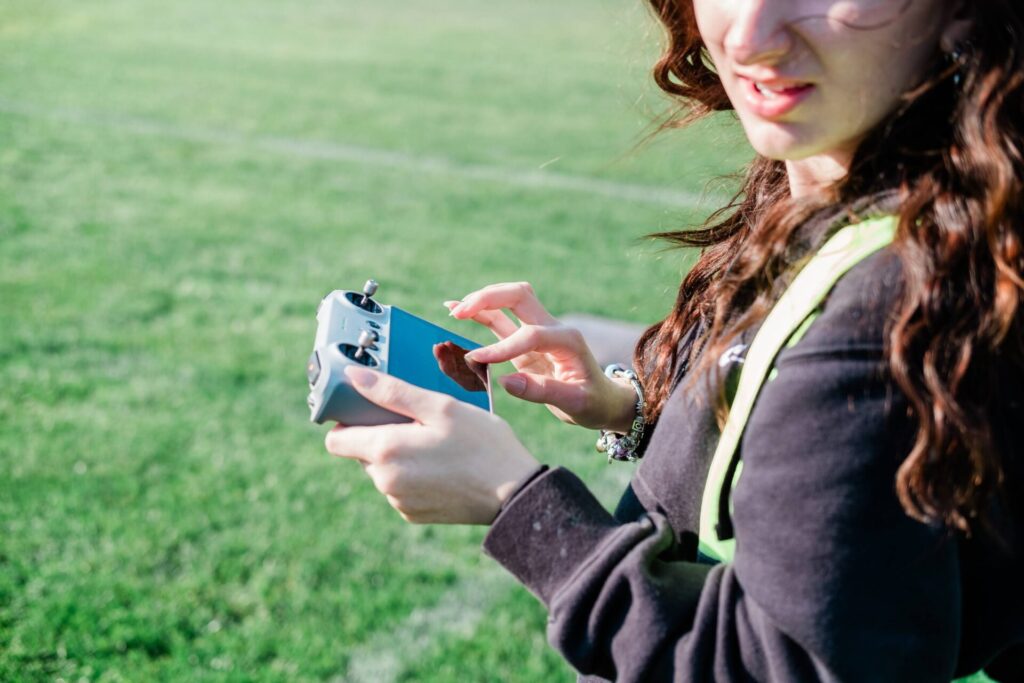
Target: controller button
{"points": [[313, 368], [373, 324]]}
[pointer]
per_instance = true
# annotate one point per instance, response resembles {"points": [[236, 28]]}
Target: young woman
{"points": [[876, 527]]}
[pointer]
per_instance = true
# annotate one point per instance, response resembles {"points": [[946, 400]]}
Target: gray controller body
{"points": [[402, 345]]}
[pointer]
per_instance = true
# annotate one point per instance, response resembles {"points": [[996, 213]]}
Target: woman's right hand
{"points": [[554, 364]]}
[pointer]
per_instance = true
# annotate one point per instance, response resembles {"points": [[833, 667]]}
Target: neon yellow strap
{"points": [[809, 288], [784, 326], [980, 677]]}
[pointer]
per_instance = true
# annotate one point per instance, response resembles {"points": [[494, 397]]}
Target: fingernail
{"points": [[474, 356], [360, 376], [514, 384]]}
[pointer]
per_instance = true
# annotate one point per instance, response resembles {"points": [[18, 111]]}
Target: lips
{"points": [[775, 97]]}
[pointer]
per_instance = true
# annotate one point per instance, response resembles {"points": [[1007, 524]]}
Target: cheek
{"points": [[892, 40], [712, 23], [871, 73]]}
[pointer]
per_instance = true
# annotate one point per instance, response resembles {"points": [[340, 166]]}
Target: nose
{"points": [[759, 32]]}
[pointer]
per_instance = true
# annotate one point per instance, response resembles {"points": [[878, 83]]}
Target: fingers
{"points": [[557, 340], [518, 297], [495, 320], [570, 398], [386, 477], [363, 444], [398, 396]]}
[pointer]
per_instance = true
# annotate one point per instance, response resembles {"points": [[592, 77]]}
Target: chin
{"points": [[783, 152], [781, 142]]}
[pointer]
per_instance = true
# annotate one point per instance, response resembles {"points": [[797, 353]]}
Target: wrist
{"points": [[508, 491], [622, 406], [516, 468], [623, 445]]}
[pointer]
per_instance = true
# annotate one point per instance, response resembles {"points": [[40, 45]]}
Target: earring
{"points": [[957, 59]]}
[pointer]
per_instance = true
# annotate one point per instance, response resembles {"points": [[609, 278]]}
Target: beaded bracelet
{"points": [[620, 446]]}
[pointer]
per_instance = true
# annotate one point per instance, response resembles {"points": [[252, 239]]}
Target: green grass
{"points": [[173, 204]]}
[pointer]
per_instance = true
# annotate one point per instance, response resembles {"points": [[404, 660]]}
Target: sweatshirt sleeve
{"points": [[831, 580]]}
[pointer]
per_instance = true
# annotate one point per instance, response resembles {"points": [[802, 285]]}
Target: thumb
{"points": [[395, 395]]}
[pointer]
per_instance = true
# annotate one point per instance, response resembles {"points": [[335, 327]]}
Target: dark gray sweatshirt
{"points": [[831, 581]]}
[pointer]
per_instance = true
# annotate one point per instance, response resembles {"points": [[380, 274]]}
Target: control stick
{"points": [[367, 340], [369, 289]]}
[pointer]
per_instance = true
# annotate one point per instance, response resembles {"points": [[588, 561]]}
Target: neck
{"points": [[814, 176]]}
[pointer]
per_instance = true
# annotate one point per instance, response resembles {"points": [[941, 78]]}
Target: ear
{"points": [[958, 28]]}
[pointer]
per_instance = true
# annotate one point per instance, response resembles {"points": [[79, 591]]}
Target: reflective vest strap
{"points": [[980, 677], [785, 324], [842, 251]]}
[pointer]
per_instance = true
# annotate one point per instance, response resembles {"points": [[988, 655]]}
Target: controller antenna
{"points": [[367, 339], [369, 289]]}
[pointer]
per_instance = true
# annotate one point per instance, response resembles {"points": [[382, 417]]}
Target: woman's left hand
{"points": [[455, 464]]}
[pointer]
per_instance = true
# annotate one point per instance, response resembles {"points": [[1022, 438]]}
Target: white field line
{"points": [[386, 655], [370, 156]]}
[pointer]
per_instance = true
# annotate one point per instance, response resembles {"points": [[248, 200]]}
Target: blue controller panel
{"points": [[417, 353]]}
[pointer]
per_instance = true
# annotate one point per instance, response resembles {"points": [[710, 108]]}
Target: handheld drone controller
{"points": [[352, 328]]}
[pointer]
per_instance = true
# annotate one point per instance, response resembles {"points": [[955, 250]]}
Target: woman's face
{"points": [[812, 77]]}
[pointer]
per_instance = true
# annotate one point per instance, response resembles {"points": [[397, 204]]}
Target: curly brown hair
{"points": [[953, 152]]}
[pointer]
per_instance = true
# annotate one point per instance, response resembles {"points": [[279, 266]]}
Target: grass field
{"points": [[180, 183]]}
